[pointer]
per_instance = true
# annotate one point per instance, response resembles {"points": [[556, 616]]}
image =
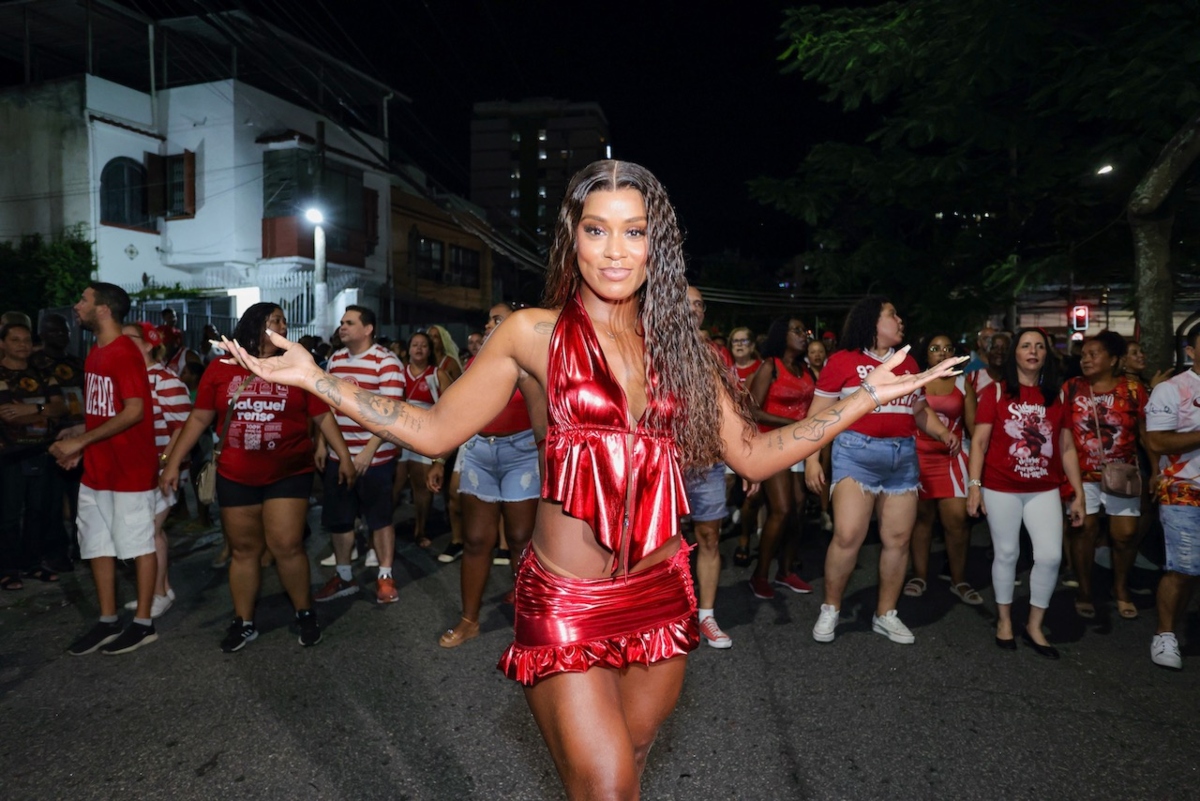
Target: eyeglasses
{"points": [[739, 342], [801, 331], [940, 349]]}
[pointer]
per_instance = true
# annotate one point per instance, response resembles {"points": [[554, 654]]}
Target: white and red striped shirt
{"points": [[171, 405], [377, 370]]}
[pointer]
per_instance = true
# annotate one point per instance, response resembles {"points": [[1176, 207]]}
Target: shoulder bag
{"points": [[206, 482], [1116, 478]]}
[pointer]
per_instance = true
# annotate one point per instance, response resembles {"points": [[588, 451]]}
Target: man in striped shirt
{"points": [[374, 368]]}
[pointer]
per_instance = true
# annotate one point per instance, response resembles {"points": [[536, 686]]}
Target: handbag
{"points": [[1121, 479], [206, 482]]}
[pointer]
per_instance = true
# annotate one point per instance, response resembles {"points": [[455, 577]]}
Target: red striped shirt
{"points": [[377, 370], [171, 405]]}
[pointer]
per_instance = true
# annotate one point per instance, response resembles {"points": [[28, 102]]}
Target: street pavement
{"points": [[378, 710]]}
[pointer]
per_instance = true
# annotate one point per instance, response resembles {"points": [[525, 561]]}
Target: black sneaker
{"points": [[310, 630], [501, 556], [100, 634], [240, 632], [132, 638], [452, 552]]}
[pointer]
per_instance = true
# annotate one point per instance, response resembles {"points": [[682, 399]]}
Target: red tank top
{"points": [[417, 389], [594, 458], [789, 396], [744, 373], [949, 409], [512, 420]]}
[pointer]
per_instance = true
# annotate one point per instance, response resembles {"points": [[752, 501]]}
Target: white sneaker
{"points": [[158, 606], [824, 629], [372, 560], [826, 522], [331, 560], [713, 635], [889, 625], [1164, 651]]}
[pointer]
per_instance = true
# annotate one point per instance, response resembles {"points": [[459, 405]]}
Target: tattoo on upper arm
{"points": [[543, 328], [814, 430], [327, 386]]}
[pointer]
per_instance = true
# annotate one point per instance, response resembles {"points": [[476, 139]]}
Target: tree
{"points": [[41, 273], [977, 132]]}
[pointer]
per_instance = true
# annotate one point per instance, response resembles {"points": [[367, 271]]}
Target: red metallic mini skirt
{"points": [[570, 625]]}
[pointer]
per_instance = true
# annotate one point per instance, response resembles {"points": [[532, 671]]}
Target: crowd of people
{"points": [[580, 437]]}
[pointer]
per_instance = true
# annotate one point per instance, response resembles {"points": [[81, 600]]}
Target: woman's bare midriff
{"points": [[568, 547]]}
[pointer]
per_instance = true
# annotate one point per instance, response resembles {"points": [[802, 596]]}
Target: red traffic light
{"points": [[1079, 318]]}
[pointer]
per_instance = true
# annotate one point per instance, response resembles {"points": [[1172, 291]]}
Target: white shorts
{"points": [[119, 524], [164, 502], [1094, 498], [412, 456], [798, 467]]}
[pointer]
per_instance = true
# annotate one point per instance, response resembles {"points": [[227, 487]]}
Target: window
{"points": [[171, 185], [427, 258], [464, 267], [123, 193], [290, 186]]}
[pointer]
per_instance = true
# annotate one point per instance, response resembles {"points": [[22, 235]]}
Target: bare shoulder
{"points": [[526, 336], [537, 321]]}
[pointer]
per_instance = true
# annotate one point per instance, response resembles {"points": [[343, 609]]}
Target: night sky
{"points": [[692, 91]]}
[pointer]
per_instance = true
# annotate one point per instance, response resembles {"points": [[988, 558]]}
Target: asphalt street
{"points": [[378, 710]]}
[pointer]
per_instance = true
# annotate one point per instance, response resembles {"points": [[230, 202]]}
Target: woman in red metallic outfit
{"points": [[604, 608]]}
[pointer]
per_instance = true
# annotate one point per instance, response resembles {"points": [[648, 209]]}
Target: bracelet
{"points": [[439, 460], [975, 483], [874, 395]]}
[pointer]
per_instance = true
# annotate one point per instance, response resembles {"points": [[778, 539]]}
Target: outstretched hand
{"points": [[291, 366], [889, 386]]}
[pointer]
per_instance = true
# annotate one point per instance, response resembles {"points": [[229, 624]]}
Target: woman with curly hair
{"points": [[1020, 450], [264, 472], [605, 613], [874, 465], [943, 493]]}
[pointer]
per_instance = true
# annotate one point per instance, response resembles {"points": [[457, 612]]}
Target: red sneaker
{"points": [[335, 588], [794, 583], [761, 588], [385, 592]]}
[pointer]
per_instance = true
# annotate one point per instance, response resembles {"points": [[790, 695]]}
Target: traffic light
{"points": [[1079, 318]]}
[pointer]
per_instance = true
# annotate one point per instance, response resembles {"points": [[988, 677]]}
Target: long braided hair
{"points": [[679, 365]]}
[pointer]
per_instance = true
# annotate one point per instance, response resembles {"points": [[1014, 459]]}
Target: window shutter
{"points": [[156, 186], [189, 183]]}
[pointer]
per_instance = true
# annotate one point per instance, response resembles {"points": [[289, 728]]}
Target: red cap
{"points": [[150, 334], [829, 335]]}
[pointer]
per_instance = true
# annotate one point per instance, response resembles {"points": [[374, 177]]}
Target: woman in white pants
{"points": [[1020, 449]]}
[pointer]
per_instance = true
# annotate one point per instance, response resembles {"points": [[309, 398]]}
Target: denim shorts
{"points": [[885, 465], [706, 493], [1181, 530], [501, 469]]}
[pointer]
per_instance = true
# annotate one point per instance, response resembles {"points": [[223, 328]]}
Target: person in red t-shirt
{"points": [[1020, 448], [1107, 416], [264, 473], [874, 466], [782, 389], [117, 494]]}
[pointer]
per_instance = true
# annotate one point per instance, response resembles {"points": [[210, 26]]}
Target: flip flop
{"points": [[967, 594], [42, 574], [452, 638], [1127, 610], [11, 583], [1085, 609], [915, 587]]}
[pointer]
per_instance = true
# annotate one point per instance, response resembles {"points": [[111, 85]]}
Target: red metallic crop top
{"points": [[594, 459]]}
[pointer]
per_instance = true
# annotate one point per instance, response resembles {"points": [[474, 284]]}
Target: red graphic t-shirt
{"points": [[1022, 454], [1118, 411], [128, 461], [846, 370], [268, 438]]}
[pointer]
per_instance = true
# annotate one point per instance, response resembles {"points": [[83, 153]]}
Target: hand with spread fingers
{"points": [[889, 386], [290, 366]]}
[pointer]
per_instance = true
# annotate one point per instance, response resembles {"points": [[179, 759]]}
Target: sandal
{"points": [[11, 583], [424, 542], [42, 573], [1085, 609], [966, 593], [1127, 610], [741, 557], [465, 630], [915, 587]]}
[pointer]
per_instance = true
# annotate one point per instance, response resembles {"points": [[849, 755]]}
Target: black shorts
{"points": [[231, 493], [370, 498]]}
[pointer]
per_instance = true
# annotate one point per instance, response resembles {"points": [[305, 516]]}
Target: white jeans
{"points": [[1042, 514]]}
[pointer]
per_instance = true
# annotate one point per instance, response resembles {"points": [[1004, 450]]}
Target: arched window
{"points": [[123, 193]]}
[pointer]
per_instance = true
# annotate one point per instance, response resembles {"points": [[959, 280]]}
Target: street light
{"points": [[320, 286]]}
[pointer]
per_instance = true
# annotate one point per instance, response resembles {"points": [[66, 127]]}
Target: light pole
{"points": [[320, 285]]}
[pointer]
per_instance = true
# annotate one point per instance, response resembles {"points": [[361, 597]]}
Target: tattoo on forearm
{"points": [[379, 410], [388, 436], [814, 430], [327, 387]]}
